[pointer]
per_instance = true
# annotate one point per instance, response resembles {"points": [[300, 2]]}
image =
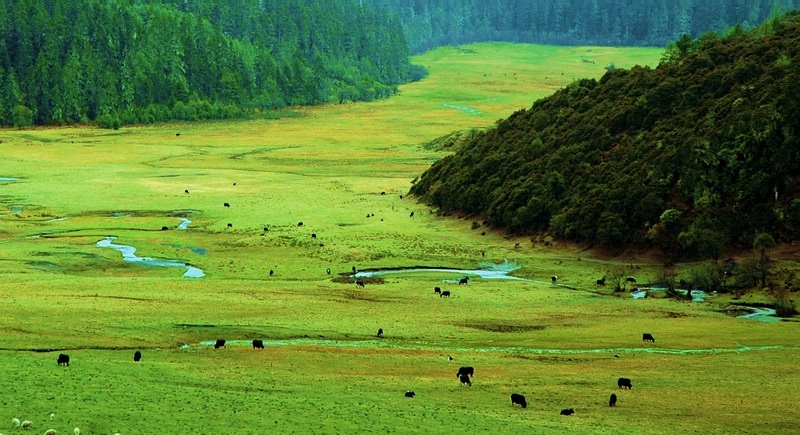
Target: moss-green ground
{"points": [[324, 371]]}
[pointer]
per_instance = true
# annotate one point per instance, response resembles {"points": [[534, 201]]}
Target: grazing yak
{"points": [[137, 356], [468, 371], [328, 270], [230, 225], [313, 235], [226, 205], [220, 343], [518, 399], [648, 337], [164, 228], [464, 281], [554, 278], [271, 272], [437, 290], [465, 380], [258, 344], [445, 294], [380, 332], [569, 411], [300, 224], [186, 191], [410, 394], [612, 401], [63, 360], [412, 214], [601, 281], [359, 283], [624, 383], [630, 279]]}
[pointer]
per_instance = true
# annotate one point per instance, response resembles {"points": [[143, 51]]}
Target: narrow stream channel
{"points": [[129, 254]]}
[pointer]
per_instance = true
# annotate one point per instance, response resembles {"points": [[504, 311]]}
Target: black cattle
{"points": [[234, 184], [445, 294], [464, 281], [220, 343], [137, 356], [401, 196], [300, 224], [258, 344], [630, 279], [359, 283], [226, 205], [648, 337], [313, 235], [624, 383], [186, 191], [328, 270], [383, 193], [177, 134], [266, 229], [518, 399], [412, 214], [164, 228], [410, 394], [465, 380], [230, 225], [612, 401], [63, 359], [569, 411], [601, 281], [469, 371], [354, 269], [367, 215], [271, 272], [554, 279], [437, 290], [380, 332]]}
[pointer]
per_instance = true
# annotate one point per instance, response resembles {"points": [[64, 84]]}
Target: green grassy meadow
{"points": [[323, 369]]}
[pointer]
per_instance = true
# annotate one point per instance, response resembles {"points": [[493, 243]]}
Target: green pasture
{"points": [[324, 371]]}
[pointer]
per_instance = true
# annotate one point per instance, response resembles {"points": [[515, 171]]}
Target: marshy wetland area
{"points": [[196, 270]]}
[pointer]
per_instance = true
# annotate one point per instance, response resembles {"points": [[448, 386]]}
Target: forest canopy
{"points": [[432, 23], [141, 61], [695, 156]]}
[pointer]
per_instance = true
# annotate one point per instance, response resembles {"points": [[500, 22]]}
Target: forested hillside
{"points": [[139, 61], [695, 156], [431, 23]]}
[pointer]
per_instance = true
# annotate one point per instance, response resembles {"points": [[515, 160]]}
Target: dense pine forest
{"points": [[141, 61], [431, 23], [696, 156]]}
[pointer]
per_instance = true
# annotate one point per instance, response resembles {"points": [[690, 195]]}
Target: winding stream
{"points": [[488, 271], [422, 345], [129, 254]]}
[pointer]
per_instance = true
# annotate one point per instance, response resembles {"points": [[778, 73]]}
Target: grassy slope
{"points": [[327, 169]]}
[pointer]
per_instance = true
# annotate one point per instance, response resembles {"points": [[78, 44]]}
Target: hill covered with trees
{"points": [[695, 156], [431, 23], [139, 61]]}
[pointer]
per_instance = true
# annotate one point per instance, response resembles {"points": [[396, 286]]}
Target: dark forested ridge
{"points": [[694, 156], [138, 61], [431, 23]]}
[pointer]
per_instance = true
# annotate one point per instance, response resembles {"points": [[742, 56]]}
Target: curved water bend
{"points": [[184, 224], [488, 271], [129, 254]]}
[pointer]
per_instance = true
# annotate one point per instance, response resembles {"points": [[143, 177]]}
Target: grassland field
{"points": [[323, 370]]}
